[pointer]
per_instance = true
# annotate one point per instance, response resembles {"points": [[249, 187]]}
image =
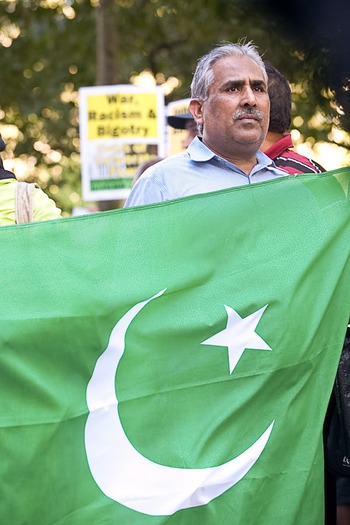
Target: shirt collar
{"points": [[199, 152]]}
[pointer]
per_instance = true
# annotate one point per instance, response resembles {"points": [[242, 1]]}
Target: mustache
{"points": [[240, 113]]}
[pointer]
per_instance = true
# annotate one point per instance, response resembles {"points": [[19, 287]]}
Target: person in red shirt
{"points": [[278, 144]]}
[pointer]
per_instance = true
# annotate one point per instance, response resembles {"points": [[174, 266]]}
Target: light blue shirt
{"points": [[197, 170]]}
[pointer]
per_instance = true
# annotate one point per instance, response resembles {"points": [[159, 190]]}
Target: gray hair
{"points": [[203, 75]]}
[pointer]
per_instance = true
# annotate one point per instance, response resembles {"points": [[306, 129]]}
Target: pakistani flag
{"points": [[172, 364]]}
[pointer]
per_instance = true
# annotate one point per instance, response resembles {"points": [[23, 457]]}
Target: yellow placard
{"points": [[122, 115]]}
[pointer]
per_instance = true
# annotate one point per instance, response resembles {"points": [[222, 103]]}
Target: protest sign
{"points": [[121, 127]]}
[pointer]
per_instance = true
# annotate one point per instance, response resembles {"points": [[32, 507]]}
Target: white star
{"points": [[238, 335]]}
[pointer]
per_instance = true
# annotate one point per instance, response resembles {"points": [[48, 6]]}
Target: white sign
{"points": [[121, 127]]}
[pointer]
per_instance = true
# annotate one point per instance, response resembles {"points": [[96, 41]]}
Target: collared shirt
{"points": [[281, 152], [197, 170]]}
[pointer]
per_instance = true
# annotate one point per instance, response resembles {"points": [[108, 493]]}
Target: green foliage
{"points": [[49, 52], [46, 60]]}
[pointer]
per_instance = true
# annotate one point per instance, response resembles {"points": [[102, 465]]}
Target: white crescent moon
{"points": [[131, 479]]}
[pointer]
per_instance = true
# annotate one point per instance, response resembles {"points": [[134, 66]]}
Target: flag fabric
{"points": [[172, 364]]}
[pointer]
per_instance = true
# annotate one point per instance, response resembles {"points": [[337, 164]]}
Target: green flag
{"points": [[172, 364]]}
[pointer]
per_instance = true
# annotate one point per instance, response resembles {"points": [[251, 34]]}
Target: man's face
{"points": [[235, 116]]}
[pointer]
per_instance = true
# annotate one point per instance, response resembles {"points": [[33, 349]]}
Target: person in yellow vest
{"points": [[22, 202]]}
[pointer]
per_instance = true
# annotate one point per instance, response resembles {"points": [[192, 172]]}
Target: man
{"points": [[278, 144], [230, 105]]}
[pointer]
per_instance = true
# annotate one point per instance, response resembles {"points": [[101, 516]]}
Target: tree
{"points": [[318, 32], [106, 49], [51, 48]]}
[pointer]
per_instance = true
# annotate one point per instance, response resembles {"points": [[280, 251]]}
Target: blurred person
{"points": [[184, 121], [230, 105], [278, 144], [22, 202]]}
